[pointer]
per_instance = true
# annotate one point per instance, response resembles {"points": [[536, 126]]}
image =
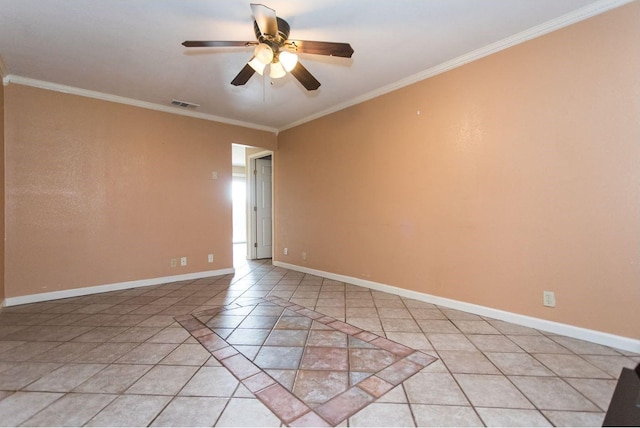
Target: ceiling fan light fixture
{"points": [[273, 47], [288, 60], [257, 65], [277, 70], [263, 53]]}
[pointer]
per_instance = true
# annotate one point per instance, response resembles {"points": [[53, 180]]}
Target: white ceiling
{"points": [[132, 48]]}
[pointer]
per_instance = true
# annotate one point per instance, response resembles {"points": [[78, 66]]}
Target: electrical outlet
{"points": [[304, 255], [183, 261], [549, 299], [210, 258], [174, 262], [286, 251]]}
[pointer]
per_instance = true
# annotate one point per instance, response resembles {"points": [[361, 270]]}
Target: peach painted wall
{"points": [[1, 192], [488, 184], [100, 193]]}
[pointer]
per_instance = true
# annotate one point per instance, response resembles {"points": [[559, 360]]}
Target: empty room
{"points": [[337, 213]]}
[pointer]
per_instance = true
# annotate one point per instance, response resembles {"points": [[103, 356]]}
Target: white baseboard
{"points": [[601, 338], [75, 292]]}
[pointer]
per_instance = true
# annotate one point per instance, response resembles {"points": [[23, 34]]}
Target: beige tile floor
{"points": [[120, 358]]}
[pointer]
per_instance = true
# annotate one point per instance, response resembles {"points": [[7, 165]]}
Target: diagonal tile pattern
{"points": [[266, 339], [337, 368]]}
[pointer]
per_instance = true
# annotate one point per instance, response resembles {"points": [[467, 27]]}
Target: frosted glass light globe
{"points": [[288, 60], [263, 53], [277, 71]]}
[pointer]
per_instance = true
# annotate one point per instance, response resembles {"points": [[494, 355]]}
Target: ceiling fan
{"points": [[274, 48]]}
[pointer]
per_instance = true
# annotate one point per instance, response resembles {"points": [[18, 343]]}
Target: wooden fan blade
{"points": [[322, 48], [244, 76], [214, 44], [265, 18], [304, 77]]}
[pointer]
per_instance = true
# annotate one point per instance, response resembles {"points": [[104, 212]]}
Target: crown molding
{"points": [[539, 30], [26, 81]]}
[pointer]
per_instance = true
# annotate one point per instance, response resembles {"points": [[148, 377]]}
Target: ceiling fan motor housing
{"points": [[275, 42]]}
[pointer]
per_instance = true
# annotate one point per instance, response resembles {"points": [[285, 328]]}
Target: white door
{"points": [[263, 242]]}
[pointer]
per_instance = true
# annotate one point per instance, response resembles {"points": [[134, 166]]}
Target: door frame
{"points": [[251, 202]]}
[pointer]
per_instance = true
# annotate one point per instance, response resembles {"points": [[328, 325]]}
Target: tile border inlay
{"points": [[282, 402]]}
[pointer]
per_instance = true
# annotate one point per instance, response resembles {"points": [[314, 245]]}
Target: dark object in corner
{"points": [[624, 409]]}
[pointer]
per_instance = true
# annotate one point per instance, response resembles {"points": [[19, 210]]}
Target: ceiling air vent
{"points": [[184, 104]]}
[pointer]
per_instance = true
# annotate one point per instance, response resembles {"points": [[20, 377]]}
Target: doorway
{"points": [[260, 187], [240, 203]]}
